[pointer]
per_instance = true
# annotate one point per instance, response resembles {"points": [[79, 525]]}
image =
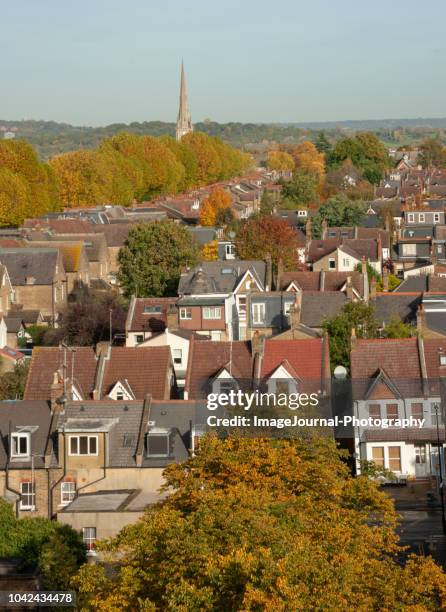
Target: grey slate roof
{"points": [[219, 276], [28, 262], [317, 306], [13, 416], [392, 305]]}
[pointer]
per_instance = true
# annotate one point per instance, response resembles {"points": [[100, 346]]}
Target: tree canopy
{"points": [[265, 235], [217, 201], [338, 211], [55, 549], [366, 152], [280, 161], [256, 524], [153, 257]]}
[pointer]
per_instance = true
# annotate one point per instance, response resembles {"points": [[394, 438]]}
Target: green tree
{"points": [[302, 189], [260, 524], [55, 549], [432, 153], [267, 204], [12, 384], [322, 143], [398, 329], [365, 151], [339, 210], [153, 256], [356, 315]]}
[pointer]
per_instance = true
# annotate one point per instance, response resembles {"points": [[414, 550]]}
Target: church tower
{"points": [[184, 121]]}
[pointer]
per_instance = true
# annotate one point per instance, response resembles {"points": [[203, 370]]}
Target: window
{"points": [[152, 310], [242, 306], [229, 250], [27, 496], [439, 248], [258, 313], [177, 355], [302, 213], [186, 313], [67, 492], [378, 455], [287, 308], [409, 249], [332, 264], [226, 386], [375, 411], [442, 360], [20, 444], [83, 445], [211, 312], [346, 262], [417, 410], [436, 217], [89, 537], [392, 412], [139, 338], [410, 218], [158, 443], [282, 387], [421, 218], [119, 396], [420, 453], [395, 458], [215, 336]]}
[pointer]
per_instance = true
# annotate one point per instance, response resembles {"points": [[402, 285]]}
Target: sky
{"points": [[96, 62]]}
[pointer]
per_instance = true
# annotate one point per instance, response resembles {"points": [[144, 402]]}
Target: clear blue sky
{"points": [[94, 62]]}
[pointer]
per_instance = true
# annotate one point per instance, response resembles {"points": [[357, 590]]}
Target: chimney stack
{"points": [[257, 344], [385, 279], [363, 266], [56, 392], [353, 339], [373, 288], [324, 229], [309, 230], [172, 317], [279, 274], [269, 273], [421, 319], [349, 289]]}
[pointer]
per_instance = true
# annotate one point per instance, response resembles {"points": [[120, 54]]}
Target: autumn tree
{"points": [[209, 252], [153, 257], [309, 159], [260, 524], [265, 235], [217, 200], [279, 161], [85, 321], [432, 154], [12, 383], [27, 186]]}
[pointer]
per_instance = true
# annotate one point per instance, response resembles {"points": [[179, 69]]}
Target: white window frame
{"points": [[287, 308], [410, 218], [421, 218], [258, 313], [78, 454], [330, 261], [346, 262], [185, 313], [212, 313], [89, 537], [67, 496], [20, 436], [436, 217], [413, 249], [229, 249], [175, 356], [29, 494]]}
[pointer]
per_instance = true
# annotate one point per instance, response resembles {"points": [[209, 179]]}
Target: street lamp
{"points": [[443, 518]]}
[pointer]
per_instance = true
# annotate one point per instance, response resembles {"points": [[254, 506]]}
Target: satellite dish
{"points": [[231, 235], [340, 373]]}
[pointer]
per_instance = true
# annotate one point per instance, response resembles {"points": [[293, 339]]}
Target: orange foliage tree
{"points": [[216, 201], [308, 158], [280, 161]]}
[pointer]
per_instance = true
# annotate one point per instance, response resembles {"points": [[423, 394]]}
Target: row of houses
{"points": [[89, 442]]}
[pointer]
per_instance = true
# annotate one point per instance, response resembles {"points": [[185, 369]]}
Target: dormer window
{"points": [[20, 445], [158, 442], [83, 445]]}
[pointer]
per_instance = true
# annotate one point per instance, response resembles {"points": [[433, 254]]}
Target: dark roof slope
{"points": [[24, 263]]}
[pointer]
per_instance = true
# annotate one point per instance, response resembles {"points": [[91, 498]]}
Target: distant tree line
{"points": [[122, 169]]}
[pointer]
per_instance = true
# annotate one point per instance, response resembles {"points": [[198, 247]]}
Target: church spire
{"points": [[184, 121]]}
